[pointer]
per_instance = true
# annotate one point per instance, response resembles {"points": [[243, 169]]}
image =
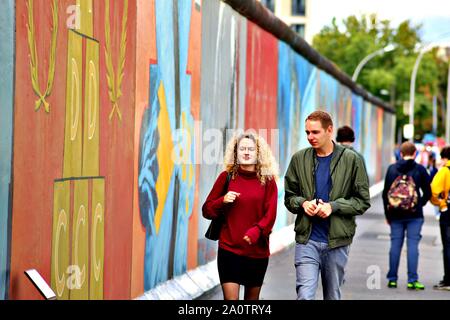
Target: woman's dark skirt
{"points": [[243, 270]]}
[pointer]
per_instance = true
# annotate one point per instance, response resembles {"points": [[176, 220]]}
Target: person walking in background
{"points": [[432, 170], [249, 207], [397, 152], [326, 186], [440, 187], [406, 191], [346, 137], [431, 165]]}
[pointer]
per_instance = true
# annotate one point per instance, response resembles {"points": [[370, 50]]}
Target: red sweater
{"points": [[253, 213]]}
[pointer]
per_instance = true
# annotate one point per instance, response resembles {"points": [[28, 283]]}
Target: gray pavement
{"points": [[367, 265]]}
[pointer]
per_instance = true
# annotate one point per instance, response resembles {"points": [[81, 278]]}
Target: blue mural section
{"points": [[185, 147], [328, 96], [309, 104], [166, 158], [288, 99], [294, 75], [6, 125], [151, 171], [305, 74], [357, 103], [369, 140]]}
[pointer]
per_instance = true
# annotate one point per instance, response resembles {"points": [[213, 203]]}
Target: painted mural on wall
{"points": [[78, 229], [6, 110], [167, 147], [69, 145], [119, 135]]}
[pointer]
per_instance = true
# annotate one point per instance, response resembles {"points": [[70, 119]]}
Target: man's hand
{"points": [[310, 207], [230, 197], [324, 209]]}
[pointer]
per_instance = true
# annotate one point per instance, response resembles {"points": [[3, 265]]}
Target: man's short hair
{"points": [[408, 148], [323, 117], [345, 134], [445, 153]]}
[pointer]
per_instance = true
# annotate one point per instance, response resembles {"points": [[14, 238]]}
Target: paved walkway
{"points": [[367, 265]]}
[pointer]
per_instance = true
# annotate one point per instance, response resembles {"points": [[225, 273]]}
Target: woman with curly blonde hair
{"points": [[249, 207]]}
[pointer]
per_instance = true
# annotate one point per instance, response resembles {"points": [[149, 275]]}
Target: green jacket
{"points": [[349, 194]]}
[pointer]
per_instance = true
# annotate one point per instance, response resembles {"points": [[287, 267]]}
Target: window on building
{"points": [[270, 4], [298, 7], [299, 29]]}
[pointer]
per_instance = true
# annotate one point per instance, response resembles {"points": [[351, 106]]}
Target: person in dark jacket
{"points": [[432, 170], [431, 166], [402, 220], [249, 208], [326, 186], [346, 137]]}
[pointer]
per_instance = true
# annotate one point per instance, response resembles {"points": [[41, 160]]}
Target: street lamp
{"points": [[447, 122], [413, 87], [412, 92], [388, 48]]}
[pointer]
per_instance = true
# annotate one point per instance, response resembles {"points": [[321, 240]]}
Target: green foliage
{"points": [[356, 38]]}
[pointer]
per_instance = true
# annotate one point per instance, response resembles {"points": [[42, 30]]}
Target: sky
{"points": [[433, 14]]}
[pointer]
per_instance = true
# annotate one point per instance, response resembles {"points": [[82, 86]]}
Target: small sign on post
{"points": [[408, 131], [39, 282]]}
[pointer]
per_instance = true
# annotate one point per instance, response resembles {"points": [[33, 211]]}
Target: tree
{"points": [[357, 38]]}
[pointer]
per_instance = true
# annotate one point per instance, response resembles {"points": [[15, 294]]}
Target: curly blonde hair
{"points": [[266, 165]]}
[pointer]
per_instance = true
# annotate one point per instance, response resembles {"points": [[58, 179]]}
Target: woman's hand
{"points": [[230, 197], [252, 235]]}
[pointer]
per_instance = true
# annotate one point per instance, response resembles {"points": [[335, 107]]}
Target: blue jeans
{"points": [[315, 257], [412, 227]]}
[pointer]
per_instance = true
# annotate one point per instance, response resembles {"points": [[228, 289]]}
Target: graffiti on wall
{"points": [[167, 147], [126, 132], [75, 159]]}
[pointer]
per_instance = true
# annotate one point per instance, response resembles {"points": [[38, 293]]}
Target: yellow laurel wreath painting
{"points": [[115, 76], [34, 61]]}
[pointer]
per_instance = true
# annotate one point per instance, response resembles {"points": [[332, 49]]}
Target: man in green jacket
{"points": [[326, 186]]}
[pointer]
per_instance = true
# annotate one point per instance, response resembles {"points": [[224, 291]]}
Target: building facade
{"points": [[295, 13]]}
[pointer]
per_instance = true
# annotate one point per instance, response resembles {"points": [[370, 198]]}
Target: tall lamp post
{"points": [[388, 48], [413, 89], [447, 124]]}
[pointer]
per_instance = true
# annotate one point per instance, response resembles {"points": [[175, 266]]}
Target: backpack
{"points": [[402, 194]]}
